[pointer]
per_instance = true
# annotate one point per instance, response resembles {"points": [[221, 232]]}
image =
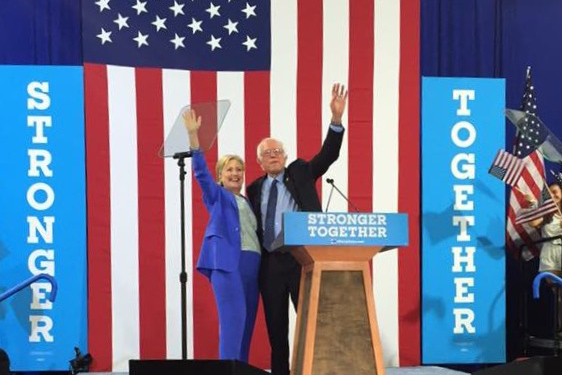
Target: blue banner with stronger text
{"points": [[43, 217], [463, 222]]}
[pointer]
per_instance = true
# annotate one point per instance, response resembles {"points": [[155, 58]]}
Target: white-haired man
{"points": [[282, 189]]}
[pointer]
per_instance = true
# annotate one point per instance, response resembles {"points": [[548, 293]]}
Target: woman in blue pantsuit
{"points": [[230, 253]]}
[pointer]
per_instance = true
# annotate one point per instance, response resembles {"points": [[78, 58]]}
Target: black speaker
{"points": [[531, 366], [195, 366]]}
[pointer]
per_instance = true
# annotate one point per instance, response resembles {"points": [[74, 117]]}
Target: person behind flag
{"points": [[550, 226], [230, 253], [284, 189]]}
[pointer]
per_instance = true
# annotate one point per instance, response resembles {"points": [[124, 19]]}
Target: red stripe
{"points": [[409, 183], [538, 162], [256, 118], [360, 110], [205, 320], [256, 127], [309, 79], [99, 220], [152, 267], [531, 183]]}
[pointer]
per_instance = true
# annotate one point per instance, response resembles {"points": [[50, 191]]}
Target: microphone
{"points": [[331, 182]]}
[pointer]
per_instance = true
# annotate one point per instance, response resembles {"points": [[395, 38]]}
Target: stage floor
{"points": [[419, 370], [422, 370]]}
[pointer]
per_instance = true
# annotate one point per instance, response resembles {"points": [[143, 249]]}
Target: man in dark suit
{"points": [[283, 189]]}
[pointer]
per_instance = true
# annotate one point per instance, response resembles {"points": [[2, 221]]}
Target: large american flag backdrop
{"points": [[275, 61]]}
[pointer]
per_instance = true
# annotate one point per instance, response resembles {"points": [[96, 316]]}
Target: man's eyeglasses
{"points": [[273, 152]]}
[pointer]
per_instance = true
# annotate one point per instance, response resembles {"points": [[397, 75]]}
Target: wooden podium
{"points": [[337, 331]]}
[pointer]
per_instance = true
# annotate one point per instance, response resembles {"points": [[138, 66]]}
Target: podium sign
{"points": [[342, 228], [337, 329]]}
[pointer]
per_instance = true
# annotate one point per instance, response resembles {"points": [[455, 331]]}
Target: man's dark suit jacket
{"points": [[300, 178]]}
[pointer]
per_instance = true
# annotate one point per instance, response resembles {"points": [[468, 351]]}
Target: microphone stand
{"points": [[331, 182], [329, 196], [180, 156]]}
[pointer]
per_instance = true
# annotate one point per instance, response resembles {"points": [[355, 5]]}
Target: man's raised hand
{"points": [[338, 102]]}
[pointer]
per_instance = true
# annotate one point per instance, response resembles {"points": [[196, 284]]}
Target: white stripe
{"points": [[385, 166], [335, 68], [124, 215], [176, 94], [282, 91], [283, 75], [230, 85]]}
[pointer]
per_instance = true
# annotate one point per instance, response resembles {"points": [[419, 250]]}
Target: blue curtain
{"points": [[460, 38], [40, 32], [497, 38]]}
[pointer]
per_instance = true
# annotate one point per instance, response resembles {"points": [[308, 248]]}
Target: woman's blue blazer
{"points": [[222, 245]]}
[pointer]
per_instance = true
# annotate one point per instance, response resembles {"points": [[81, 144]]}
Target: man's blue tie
{"points": [[269, 230]]}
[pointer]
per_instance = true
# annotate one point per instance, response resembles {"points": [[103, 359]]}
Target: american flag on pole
{"points": [[545, 207], [276, 61], [532, 182], [506, 167]]}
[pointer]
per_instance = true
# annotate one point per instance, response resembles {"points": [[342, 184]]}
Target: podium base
{"points": [[192, 366]]}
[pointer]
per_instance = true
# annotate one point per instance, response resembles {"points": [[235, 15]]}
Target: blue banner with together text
{"points": [[463, 221]]}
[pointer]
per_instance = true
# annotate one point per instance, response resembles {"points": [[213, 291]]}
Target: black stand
{"points": [[183, 274], [193, 367], [331, 182], [549, 341]]}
